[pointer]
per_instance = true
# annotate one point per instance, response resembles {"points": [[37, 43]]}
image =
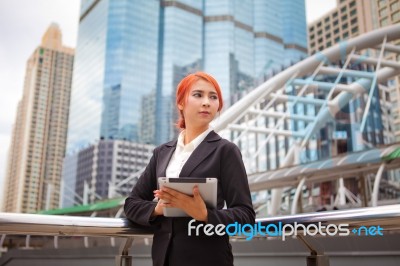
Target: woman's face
{"points": [[201, 104]]}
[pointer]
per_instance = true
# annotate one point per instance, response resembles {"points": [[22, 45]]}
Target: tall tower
{"points": [[115, 72], [39, 135]]}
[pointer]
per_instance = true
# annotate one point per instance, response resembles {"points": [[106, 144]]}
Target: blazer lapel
{"points": [[164, 157], [206, 147]]}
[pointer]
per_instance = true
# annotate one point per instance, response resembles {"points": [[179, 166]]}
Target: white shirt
{"points": [[183, 152]]}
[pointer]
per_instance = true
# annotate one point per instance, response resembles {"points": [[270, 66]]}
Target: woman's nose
{"points": [[206, 102]]}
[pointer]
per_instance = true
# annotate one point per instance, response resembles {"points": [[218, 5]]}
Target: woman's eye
{"points": [[214, 97], [197, 95]]}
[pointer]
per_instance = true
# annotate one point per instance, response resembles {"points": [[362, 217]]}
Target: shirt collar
{"points": [[194, 143]]}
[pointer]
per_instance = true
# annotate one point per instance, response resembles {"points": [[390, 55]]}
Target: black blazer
{"points": [[214, 157]]}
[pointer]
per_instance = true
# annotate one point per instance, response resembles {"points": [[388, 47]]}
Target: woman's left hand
{"points": [[194, 205]]}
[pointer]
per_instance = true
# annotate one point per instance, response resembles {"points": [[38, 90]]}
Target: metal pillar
{"points": [[124, 259], [316, 258]]}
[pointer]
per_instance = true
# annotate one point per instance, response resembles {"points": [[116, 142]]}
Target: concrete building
{"points": [[89, 174], [40, 130], [349, 19]]}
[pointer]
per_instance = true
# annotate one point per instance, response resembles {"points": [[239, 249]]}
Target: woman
{"points": [[198, 152]]}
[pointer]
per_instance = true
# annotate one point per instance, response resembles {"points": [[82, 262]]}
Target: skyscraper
{"points": [[131, 54], [115, 67], [39, 134]]}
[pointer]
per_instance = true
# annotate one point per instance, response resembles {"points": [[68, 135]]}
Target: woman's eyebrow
{"points": [[201, 91]]}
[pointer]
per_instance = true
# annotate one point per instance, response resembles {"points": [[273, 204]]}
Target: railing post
{"points": [[123, 258], [316, 258]]}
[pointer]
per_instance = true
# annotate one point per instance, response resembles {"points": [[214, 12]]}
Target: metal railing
{"points": [[387, 217]]}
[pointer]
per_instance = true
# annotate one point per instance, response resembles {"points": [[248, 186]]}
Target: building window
{"points": [[384, 22], [353, 3], [328, 27], [382, 3], [327, 19], [383, 12], [344, 17], [353, 12], [343, 9], [354, 30], [395, 6], [345, 35], [353, 21], [396, 16]]}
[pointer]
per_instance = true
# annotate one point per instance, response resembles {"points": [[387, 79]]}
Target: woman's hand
{"points": [[159, 209], [194, 205]]}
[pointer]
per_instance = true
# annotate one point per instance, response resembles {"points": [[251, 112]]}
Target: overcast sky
{"points": [[22, 25]]}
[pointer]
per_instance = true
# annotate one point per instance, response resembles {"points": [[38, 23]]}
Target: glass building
{"points": [[131, 55], [116, 69]]}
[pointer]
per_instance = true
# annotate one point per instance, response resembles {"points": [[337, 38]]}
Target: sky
{"points": [[22, 25]]}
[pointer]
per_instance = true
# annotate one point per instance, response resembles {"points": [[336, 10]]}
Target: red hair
{"points": [[183, 90]]}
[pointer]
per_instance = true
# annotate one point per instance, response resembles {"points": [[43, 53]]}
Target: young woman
{"points": [[198, 152]]}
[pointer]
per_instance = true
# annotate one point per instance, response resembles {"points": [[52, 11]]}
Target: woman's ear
{"points": [[180, 107]]}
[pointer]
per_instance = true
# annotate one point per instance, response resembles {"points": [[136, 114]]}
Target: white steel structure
{"points": [[260, 116]]}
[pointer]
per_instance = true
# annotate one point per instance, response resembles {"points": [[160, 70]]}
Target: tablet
{"points": [[207, 188]]}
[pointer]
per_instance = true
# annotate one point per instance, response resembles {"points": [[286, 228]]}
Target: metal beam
{"points": [[287, 133], [374, 61], [280, 115], [327, 86], [328, 70]]}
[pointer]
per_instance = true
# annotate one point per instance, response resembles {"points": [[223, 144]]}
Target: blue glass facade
{"points": [[115, 71], [131, 54], [87, 93], [181, 43]]}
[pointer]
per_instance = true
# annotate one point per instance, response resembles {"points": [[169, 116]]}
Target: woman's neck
{"points": [[192, 133]]}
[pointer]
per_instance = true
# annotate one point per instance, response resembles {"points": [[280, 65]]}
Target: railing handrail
{"points": [[387, 217]]}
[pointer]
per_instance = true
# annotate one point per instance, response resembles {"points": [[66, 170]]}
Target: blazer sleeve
{"points": [[235, 189], [139, 205]]}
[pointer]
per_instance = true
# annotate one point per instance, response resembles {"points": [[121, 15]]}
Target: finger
{"points": [[168, 197], [164, 196], [196, 192], [174, 193]]}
